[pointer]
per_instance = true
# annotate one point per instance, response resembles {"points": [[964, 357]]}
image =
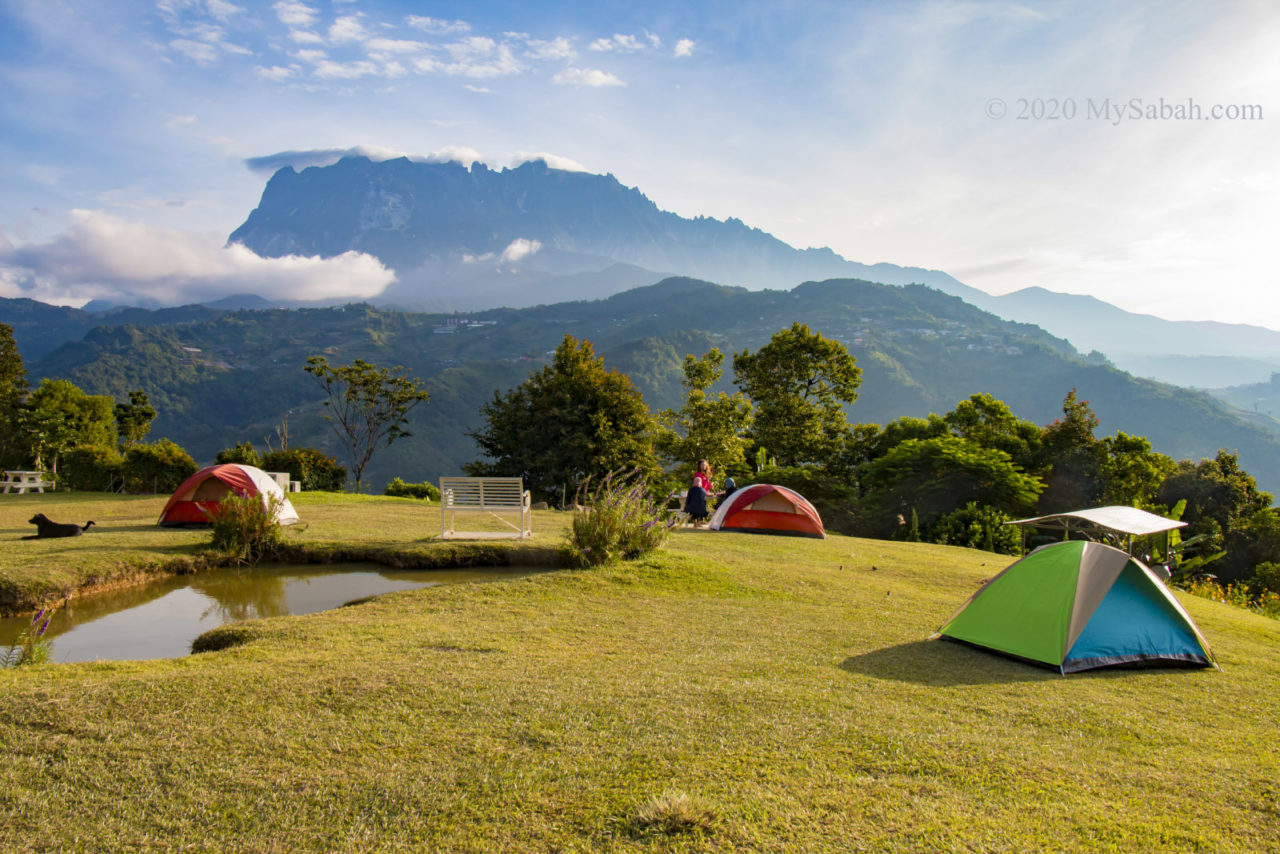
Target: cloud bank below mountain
{"points": [[109, 258]]}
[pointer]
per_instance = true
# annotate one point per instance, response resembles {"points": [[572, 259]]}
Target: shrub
{"points": [[978, 526], [399, 489], [618, 519], [1266, 578], [91, 468], [242, 453], [1265, 602], [158, 467], [245, 530], [315, 470]]}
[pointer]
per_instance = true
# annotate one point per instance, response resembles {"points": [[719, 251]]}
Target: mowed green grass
{"points": [[785, 686]]}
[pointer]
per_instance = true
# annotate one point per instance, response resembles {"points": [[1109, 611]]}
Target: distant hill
{"points": [[1202, 353], [472, 237], [39, 328], [235, 376]]}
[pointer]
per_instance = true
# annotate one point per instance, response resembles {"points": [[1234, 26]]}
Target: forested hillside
{"points": [[237, 376]]}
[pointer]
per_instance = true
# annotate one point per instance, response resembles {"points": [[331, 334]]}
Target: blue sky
{"points": [[128, 129]]}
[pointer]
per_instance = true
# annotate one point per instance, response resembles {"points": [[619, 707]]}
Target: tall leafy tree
{"points": [[367, 405], [133, 419], [1071, 459], [1131, 471], [706, 428], [13, 390], [799, 383], [568, 421], [58, 416], [990, 423]]}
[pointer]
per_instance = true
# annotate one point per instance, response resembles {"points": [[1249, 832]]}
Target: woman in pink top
{"points": [[704, 476]]}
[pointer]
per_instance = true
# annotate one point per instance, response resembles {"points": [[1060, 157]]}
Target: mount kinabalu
{"points": [[472, 237]]}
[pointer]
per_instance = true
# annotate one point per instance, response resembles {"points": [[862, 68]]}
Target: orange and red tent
{"points": [[768, 509], [194, 502]]}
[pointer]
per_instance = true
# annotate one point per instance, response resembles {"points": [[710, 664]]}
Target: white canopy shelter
{"points": [[1113, 521], [1122, 520]]}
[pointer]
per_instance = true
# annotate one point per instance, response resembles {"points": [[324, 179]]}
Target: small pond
{"points": [[161, 619]]}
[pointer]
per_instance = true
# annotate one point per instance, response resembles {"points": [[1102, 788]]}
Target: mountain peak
{"points": [[481, 238]]}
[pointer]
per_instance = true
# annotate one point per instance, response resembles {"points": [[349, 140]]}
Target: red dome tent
{"points": [[195, 500], [768, 509]]}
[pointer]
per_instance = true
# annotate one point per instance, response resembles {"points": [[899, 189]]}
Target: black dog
{"points": [[46, 528]]}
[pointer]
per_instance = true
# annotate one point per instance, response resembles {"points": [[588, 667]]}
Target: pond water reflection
{"points": [[162, 618]]}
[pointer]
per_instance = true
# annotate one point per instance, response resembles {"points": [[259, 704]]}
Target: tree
{"points": [[13, 390], [990, 423], [366, 405], [706, 428], [1131, 471], [1224, 504], [938, 476], [799, 382], [1071, 459], [133, 419], [242, 452], [58, 416], [570, 420]]}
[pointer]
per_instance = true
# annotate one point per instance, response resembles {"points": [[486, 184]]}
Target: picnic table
{"points": [[21, 482]]}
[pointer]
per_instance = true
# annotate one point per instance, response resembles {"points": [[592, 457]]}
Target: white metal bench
{"points": [[492, 495]]}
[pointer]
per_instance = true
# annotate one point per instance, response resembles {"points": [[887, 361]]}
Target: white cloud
{"points": [[329, 70], [684, 47], [555, 161], [105, 257], [311, 55], [586, 77], [294, 14], [300, 160], [347, 29], [306, 37], [476, 56], [222, 10], [275, 72], [436, 26], [619, 42], [519, 248], [201, 53], [394, 46], [557, 48]]}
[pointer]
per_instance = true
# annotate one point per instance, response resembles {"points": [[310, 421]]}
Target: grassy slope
{"points": [[784, 685]]}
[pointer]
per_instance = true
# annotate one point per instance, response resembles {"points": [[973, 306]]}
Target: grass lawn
{"points": [[729, 693]]}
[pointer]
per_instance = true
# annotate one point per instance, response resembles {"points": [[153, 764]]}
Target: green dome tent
{"points": [[1078, 605]]}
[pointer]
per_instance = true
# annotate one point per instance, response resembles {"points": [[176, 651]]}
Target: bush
{"points": [[242, 453], [157, 467], [1266, 578], [977, 526], [245, 530], [619, 519], [315, 470], [1240, 595], [399, 489], [91, 468]]}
